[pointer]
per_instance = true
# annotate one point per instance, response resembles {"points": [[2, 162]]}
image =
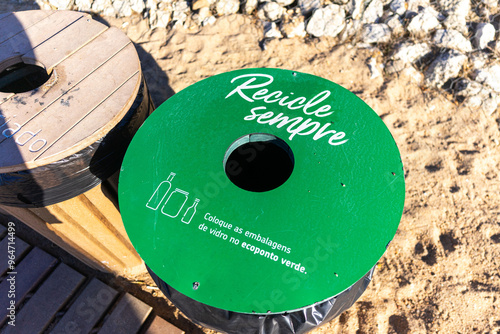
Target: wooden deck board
{"points": [[161, 326], [30, 272], [38, 312], [87, 310], [46, 310], [128, 316], [19, 246]]}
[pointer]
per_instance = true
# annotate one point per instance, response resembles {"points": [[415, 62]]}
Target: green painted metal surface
{"points": [[272, 251]]}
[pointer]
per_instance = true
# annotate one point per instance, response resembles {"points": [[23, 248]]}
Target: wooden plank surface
{"points": [[30, 272], [87, 309], [127, 317], [38, 312], [18, 23], [78, 85], [161, 326], [38, 33], [95, 76], [19, 247]]}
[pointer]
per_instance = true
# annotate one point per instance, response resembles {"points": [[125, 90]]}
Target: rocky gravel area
{"points": [[453, 45]]}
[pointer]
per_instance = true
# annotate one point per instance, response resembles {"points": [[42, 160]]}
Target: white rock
{"points": [[180, 9], [309, 6], [452, 39], [478, 60], [122, 8], [414, 75], [456, 7], [271, 11], [83, 5], [162, 18], [406, 54], [373, 67], [327, 21], [198, 4], [209, 20], [61, 4], [410, 52], [227, 7], [490, 104], [489, 76], [271, 30], [250, 6], [485, 33], [414, 5], [446, 66], [394, 22], [103, 7], [424, 22], [373, 12], [456, 22], [204, 13], [355, 8], [285, 2], [475, 95], [293, 26], [352, 28], [398, 6], [493, 4], [137, 6], [376, 33], [465, 87]]}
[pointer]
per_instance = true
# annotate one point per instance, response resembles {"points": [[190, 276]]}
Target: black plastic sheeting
{"points": [[77, 173], [293, 322]]}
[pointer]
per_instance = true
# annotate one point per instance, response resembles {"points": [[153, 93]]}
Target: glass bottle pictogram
{"points": [[175, 202], [188, 215], [160, 193]]}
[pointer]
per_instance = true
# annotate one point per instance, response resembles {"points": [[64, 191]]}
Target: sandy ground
{"points": [[441, 272]]}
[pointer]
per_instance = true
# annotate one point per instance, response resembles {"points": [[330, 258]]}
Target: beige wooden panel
{"points": [[89, 227]]}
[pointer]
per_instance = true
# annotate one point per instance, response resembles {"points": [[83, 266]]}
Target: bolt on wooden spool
{"points": [[72, 95]]}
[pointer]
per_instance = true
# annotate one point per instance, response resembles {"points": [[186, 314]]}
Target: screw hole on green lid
{"points": [[342, 184], [294, 74], [336, 275], [196, 285], [393, 173]]}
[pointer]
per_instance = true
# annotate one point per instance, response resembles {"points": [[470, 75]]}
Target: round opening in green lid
{"points": [[258, 162]]}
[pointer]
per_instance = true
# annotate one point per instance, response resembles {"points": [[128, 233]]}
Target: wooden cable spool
{"points": [[72, 95]]}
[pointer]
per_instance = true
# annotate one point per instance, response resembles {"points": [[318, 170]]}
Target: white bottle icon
{"points": [[190, 212], [175, 203], [160, 193]]}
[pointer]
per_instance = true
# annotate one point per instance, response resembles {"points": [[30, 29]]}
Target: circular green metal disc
{"points": [[270, 251]]}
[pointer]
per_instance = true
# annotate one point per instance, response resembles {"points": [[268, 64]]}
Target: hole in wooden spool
{"points": [[18, 76]]}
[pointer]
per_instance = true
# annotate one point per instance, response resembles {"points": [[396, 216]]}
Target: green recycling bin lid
{"points": [[262, 190]]}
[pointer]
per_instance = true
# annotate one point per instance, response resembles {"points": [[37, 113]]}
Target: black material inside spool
{"points": [[259, 162], [22, 77]]}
